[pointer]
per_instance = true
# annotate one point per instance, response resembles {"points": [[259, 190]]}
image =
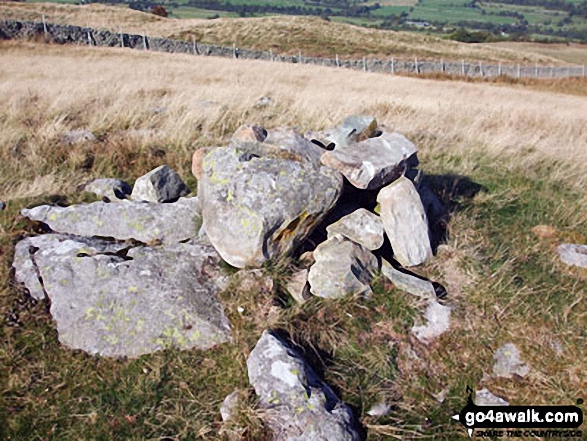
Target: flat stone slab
{"points": [[342, 268], [373, 163], [408, 283], [260, 201], [116, 301], [405, 222], [142, 221], [362, 227], [573, 254], [297, 404], [438, 322]]}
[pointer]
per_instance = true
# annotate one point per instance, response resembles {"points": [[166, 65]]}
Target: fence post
{"points": [[499, 69], [337, 62], [442, 65], [416, 68], [364, 65], [480, 68], [121, 38], [536, 70], [583, 70], [271, 54], [300, 57], [233, 50], [519, 71], [145, 44], [463, 67], [89, 38], [393, 66]]}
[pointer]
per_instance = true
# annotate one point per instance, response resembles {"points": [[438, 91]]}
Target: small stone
{"points": [[265, 101], [373, 163], [408, 283], [485, 398], [2, 205], [438, 322], [249, 133], [229, 405], [508, 362], [573, 254], [379, 409], [298, 404], [544, 231], [362, 227], [159, 185], [72, 137], [298, 286], [405, 222], [342, 268], [113, 189], [441, 396]]}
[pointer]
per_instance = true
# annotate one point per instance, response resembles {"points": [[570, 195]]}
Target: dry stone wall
{"points": [[80, 35]]}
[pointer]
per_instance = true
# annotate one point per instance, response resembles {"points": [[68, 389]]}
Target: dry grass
{"points": [[110, 91], [282, 34], [574, 53], [527, 147]]}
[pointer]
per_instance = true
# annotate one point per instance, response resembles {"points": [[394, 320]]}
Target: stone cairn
{"points": [[140, 270]]}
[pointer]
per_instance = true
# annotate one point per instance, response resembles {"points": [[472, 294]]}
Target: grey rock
{"points": [[508, 362], [72, 137], [111, 300], [380, 409], [362, 227], [408, 283], [298, 286], [142, 221], [438, 322], [342, 268], [159, 185], [113, 189], [249, 133], [265, 101], [288, 141], [573, 254], [260, 202], [297, 404], [373, 163], [353, 129], [229, 405], [485, 398], [405, 222]]}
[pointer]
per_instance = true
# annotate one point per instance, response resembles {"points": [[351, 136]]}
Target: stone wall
{"points": [[75, 34]]}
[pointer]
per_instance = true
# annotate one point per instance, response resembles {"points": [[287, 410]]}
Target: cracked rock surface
{"points": [[113, 300]]}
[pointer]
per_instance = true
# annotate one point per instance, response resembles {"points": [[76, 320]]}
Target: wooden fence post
{"points": [[300, 57], [519, 71], [271, 54], [463, 67], [121, 38], [416, 68], [233, 50], [364, 65], [393, 66], [337, 61], [499, 69], [480, 68]]}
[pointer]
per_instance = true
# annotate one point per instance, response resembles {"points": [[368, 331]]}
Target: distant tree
{"points": [[160, 11]]}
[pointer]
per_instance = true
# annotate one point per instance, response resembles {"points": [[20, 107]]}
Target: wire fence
{"points": [[62, 34]]}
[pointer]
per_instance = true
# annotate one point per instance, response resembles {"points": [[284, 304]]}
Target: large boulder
{"points": [[142, 221], [109, 299], [159, 185], [361, 226], [373, 163], [298, 404], [342, 268], [405, 222], [260, 201]]}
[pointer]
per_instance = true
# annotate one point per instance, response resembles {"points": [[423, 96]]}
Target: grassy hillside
{"points": [[526, 148], [313, 36]]}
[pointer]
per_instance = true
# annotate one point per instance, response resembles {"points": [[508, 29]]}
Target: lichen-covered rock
{"points": [[159, 185], [508, 362], [342, 268], [298, 405], [408, 282], [113, 189], [405, 222], [142, 221], [438, 322], [373, 163], [362, 227], [197, 159], [287, 141], [78, 136], [111, 300], [259, 201], [573, 254], [249, 133]]}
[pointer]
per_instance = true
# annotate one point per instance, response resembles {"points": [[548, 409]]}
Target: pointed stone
{"points": [[362, 227], [298, 286], [405, 222], [297, 404], [373, 163]]}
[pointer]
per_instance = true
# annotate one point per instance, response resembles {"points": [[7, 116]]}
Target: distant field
{"points": [[569, 53], [287, 35]]}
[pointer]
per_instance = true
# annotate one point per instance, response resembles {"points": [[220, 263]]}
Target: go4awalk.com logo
{"points": [[521, 421]]}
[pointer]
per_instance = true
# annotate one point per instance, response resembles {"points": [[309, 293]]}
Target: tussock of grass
{"points": [[524, 147]]}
